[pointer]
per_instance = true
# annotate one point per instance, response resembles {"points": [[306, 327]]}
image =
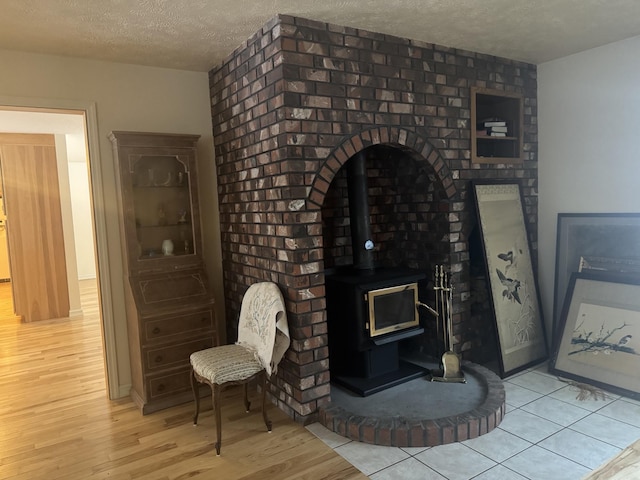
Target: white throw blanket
{"points": [[263, 327]]}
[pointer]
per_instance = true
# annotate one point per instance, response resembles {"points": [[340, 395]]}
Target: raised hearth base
{"points": [[420, 413]]}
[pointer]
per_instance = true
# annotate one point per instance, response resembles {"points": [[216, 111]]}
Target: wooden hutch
{"points": [[168, 299]]}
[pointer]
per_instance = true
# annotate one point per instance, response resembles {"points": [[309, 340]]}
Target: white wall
{"points": [[589, 142], [81, 206], [126, 97]]}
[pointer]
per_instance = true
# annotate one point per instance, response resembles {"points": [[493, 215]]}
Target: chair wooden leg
{"points": [[267, 422], [216, 405], [247, 403], [196, 396]]}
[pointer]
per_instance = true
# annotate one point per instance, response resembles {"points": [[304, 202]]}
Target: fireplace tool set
{"points": [[451, 372]]}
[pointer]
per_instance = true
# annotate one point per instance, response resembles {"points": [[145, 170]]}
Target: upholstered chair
{"points": [[263, 338]]}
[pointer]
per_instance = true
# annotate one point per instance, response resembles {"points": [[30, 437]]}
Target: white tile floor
{"points": [[547, 434]]}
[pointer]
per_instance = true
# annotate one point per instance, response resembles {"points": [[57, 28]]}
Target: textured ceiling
{"points": [[199, 34]]}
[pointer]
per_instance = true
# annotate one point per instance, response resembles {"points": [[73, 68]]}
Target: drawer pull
{"points": [[158, 358], [161, 387], [156, 330]]}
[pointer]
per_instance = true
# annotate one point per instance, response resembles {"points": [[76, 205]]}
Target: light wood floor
{"points": [[6, 305], [57, 423]]}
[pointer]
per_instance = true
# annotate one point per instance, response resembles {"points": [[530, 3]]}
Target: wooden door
{"points": [[34, 226]]}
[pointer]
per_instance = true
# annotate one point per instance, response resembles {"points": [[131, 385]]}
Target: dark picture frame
{"points": [[622, 266], [598, 339], [513, 288], [584, 235]]}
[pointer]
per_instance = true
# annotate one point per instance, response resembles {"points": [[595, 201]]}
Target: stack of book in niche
{"points": [[492, 128]]}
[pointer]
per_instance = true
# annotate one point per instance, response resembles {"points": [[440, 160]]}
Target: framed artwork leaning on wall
{"points": [[599, 333], [513, 288], [593, 240]]}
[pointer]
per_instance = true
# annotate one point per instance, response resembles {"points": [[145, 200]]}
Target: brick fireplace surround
{"points": [[290, 106]]}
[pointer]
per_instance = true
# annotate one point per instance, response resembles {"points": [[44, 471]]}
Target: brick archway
{"points": [[405, 139], [452, 249]]}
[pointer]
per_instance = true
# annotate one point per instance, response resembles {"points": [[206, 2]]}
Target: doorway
{"points": [[71, 129]]}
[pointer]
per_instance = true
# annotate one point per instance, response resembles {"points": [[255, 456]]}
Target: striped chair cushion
{"points": [[227, 363]]}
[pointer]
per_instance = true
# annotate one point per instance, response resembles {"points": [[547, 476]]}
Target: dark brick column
{"points": [[290, 106]]}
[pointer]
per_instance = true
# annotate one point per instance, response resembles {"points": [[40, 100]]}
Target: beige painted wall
{"points": [[127, 97]]}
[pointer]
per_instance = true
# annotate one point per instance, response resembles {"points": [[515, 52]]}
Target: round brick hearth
{"points": [[400, 431]]}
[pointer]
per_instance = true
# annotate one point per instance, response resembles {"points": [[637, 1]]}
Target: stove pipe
{"points": [[361, 242]]}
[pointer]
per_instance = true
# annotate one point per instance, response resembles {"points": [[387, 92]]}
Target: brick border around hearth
{"points": [[401, 432]]}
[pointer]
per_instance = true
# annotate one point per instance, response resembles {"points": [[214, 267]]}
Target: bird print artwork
{"points": [[514, 291], [624, 340], [608, 337], [507, 257], [511, 257], [510, 291], [508, 275]]}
